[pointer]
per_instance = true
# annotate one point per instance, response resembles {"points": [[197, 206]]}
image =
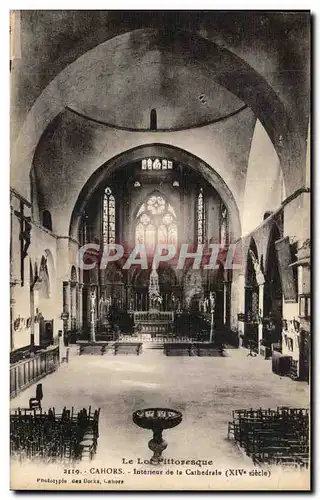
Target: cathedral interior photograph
{"points": [[160, 247]]}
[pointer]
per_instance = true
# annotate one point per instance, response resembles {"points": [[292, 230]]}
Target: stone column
{"points": [[79, 305], [260, 282], [15, 278], [73, 307], [260, 327], [12, 314], [226, 298], [239, 307], [66, 305]]}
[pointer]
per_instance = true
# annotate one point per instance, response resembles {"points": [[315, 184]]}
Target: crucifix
{"points": [[24, 237]]}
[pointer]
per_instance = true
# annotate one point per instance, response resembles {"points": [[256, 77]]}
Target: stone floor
{"points": [[205, 390]]}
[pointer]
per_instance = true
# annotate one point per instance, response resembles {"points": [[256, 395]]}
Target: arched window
{"points": [[156, 223], [224, 229], [153, 119], [109, 217], [267, 214], [46, 220], [156, 164], [201, 218]]}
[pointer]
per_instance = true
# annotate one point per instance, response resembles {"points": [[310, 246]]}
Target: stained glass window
{"points": [[139, 234], [223, 225], [173, 234], [162, 234], [156, 164], [156, 205], [109, 217], [201, 218], [156, 222]]}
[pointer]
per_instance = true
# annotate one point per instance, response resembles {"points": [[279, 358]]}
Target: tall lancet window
{"points": [[156, 223], [109, 217], [224, 229], [201, 218]]}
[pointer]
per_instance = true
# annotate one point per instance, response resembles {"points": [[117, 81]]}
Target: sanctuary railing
{"points": [[28, 371]]}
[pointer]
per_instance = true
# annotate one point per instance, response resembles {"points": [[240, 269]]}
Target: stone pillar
{"points": [[73, 304], [226, 302], [12, 315], [36, 331], [260, 282], [79, 305], [15, 280], [66, 305], [260, 327]]}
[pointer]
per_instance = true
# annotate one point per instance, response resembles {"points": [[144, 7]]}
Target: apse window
{"points": [[223, 225], [156, 223], [156, 164], [201, 218], [109, 217]]}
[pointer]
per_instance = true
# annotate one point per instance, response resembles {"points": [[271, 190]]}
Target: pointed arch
{"points": [[138, 153], [250, 273], [156, 221]]}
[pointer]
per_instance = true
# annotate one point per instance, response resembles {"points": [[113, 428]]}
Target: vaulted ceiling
{"points": [[86, 81], [276, 45]]}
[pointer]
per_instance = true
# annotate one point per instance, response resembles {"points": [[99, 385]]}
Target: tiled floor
{"points": [[205, 390]]}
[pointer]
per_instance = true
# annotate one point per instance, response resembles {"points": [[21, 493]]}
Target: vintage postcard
{"points": [[160, 292]]}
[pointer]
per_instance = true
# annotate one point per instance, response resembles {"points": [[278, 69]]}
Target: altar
{"points": [[154, 322], [150, 324]]}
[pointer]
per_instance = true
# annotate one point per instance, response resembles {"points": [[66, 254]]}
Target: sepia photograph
{"points": [[160, 250]]}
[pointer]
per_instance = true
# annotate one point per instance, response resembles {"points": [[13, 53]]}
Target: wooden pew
{"points": [[92, 347], [178, 349], [127, 348], [208, 349]]}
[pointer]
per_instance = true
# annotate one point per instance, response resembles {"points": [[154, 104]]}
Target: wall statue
{"points": [[257, 269]]}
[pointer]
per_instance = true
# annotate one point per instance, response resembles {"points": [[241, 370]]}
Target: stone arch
{"points": [[264, 181], [272, 291], [251, 301], [249, 271], [228, 70], [42, 278], [160, 150]]}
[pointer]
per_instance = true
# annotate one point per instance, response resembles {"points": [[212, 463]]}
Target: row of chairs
{"points": [[279, 436], [50, 436]]}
